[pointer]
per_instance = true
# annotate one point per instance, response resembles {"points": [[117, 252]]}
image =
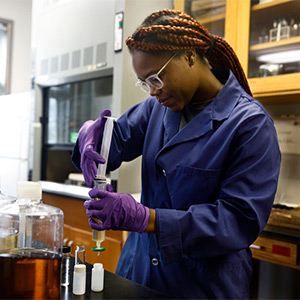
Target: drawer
{"points": [[272, 250]]}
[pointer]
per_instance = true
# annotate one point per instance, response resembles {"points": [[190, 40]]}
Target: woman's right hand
{"points": [[88, 138]]}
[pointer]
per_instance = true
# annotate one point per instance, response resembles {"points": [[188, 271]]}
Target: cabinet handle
{"points": [[256, 247]]}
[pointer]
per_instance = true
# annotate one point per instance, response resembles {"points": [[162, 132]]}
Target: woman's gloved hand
{"points": [[88, 138], [116, 211]]}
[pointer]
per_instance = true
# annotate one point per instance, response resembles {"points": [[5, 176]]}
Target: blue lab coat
{"points": [[212, 185]]}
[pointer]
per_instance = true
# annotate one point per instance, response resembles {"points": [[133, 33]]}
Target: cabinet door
{"points": [[209, 13], [274, 46], [222, 18]]}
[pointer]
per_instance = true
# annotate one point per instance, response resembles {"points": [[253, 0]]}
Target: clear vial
{"points": [[65, 266], [79, 255]]}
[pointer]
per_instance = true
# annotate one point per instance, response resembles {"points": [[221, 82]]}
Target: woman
{"points": [[210, 164]]}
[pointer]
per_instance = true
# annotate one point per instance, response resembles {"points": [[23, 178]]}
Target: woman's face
{"points": [[180, 81]]}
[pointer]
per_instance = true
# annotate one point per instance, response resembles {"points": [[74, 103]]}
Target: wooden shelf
{"points": [[269, 4], [273, 47], [265, 13], [274, 85]]}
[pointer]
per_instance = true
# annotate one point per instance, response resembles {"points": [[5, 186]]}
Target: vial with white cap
{"points": [[79, 279], [97, 278]]}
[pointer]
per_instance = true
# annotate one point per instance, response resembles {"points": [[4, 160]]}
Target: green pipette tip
{"points": [[98, 249]]}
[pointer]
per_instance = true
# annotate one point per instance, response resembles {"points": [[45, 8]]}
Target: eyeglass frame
{"points": [[145, 86]]}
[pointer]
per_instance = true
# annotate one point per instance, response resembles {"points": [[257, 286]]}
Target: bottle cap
{"points": [[98, 266], [29, 190], [66, 249], [80, 268]]}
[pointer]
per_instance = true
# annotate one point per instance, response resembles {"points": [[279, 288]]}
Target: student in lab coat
{"points": [[210, 164]]}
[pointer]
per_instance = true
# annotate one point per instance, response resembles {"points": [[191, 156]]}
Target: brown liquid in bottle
{"points": [[29, 274]]}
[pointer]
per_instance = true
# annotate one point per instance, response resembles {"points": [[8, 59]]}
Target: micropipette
{"points": [[100, 179]]}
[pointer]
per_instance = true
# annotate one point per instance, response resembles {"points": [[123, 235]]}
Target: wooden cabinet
{"points": [[280, 241], [78, 232], [276, 251], [270, 57]]}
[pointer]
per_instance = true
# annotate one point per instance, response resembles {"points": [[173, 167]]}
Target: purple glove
{"points": [[88, 138], [116, 211]]}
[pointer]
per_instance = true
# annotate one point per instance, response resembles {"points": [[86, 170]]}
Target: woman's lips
{"points": [[163, 101]]}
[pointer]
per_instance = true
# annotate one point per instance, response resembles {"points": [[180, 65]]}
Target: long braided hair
{"points": [[173, 30]]}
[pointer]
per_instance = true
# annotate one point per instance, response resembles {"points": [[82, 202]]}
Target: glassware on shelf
{"points": [[280, 30], [263, 37], [270, 69], [294, 27]]}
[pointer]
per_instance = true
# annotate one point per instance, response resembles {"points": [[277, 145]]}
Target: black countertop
{"points": [[115, 287]]}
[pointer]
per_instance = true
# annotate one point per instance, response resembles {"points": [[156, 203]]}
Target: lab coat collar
{"points": [[218, 110], [229, 95]]}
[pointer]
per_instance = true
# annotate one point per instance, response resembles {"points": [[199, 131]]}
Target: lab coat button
{"points": [[154, 261], [164, 172]]}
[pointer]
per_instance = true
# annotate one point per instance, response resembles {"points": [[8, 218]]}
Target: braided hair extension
{"points": [[173, 30]]}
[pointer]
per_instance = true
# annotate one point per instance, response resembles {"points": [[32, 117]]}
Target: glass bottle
{"points": [[65, 266], [30, 267]]}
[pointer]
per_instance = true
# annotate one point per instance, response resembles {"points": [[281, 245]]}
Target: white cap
{"points": [[80, 268], [98, 266], [29, 190]]}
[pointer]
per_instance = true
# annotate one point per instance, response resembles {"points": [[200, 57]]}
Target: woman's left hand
{"points": [[116, 211]]}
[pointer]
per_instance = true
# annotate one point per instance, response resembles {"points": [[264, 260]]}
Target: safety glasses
{"points": [[153, 80]]}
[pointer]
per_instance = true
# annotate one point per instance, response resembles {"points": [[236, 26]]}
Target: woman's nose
{"points": [[154, 91]]}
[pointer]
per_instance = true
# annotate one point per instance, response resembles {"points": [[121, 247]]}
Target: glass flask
{"points": [[30, 261]]}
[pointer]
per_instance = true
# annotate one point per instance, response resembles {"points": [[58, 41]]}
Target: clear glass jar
{"points": [[30, 260]]}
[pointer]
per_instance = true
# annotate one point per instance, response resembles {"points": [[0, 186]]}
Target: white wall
{"points": [[19, 11]]}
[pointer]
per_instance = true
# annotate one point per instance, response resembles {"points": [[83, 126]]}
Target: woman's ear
{"points": [[190, 56]]}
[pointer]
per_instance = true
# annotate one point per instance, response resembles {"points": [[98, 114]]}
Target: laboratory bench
{"points": [[115, 287], [279, 242]]}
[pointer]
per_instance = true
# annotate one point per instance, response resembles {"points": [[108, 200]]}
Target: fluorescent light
{"points": [[280, 57]]}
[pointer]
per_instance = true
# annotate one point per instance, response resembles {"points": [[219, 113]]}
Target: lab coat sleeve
{"points": [[128, 136], [234, 220]]}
